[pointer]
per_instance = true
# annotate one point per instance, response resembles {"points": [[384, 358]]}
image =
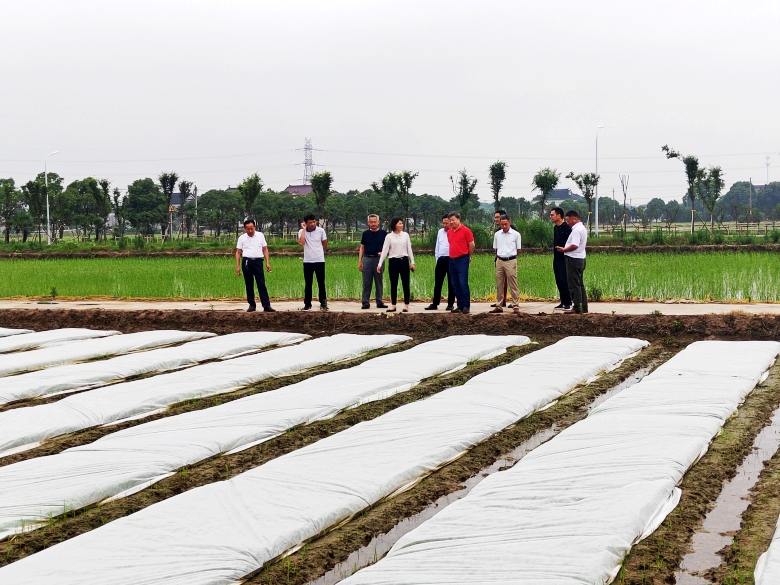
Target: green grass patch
{"points": [[708, 276]]}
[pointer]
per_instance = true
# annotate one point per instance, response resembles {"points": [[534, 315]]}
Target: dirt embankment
{"points": [[229, 251], [669, 329]]}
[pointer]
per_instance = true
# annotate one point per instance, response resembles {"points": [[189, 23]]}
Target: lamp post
{"points": [[46, 183], [597, 177]]}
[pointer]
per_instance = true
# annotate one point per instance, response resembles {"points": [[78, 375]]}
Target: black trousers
{"points": [[252, 268], [442, 270], [399, 267], [559, 268], [575, 268], [309, 270]]}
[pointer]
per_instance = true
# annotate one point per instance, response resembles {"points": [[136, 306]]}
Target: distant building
{"points": [[559, 195], [298, 189]]}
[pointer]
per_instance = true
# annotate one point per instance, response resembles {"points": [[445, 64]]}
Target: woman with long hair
{"points": [[398, 250]]}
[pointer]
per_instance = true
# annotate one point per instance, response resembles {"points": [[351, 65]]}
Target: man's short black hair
{"points": [[445, 216], [309, 217], [453, 214], [558, 210], [249, 220], [500, 212], [572, 213]]}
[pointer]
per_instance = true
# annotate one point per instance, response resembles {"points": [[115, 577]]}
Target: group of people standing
{"points": [[453, 252]]}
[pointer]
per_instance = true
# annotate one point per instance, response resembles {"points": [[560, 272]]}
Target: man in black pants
{"points": [[251, 249], [314, 241], [442, 255], [561, 231], [575, 253]]}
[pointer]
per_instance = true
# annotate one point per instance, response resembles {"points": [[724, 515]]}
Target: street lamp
{"points": [[597, 176], [46, 183]]}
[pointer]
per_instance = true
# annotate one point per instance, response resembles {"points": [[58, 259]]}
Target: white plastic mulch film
{"points": [[48, 338], [221, 532], [89, 349], [90, 375], [125, 461], [571, 510], [768, 567], [5, 332], [23, 428]]}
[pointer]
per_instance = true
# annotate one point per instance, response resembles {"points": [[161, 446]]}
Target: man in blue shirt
{"points": [[442, 254], [368, 260]]}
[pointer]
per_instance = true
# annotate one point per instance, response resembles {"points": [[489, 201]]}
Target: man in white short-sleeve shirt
{"points": [[251, 249], [574, 251], [506, 243], [314, 241]]}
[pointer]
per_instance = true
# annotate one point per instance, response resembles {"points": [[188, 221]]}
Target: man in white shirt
{"points": [[574, 251], [442, 254], [506, 243], [251, 249], [314, 241]]}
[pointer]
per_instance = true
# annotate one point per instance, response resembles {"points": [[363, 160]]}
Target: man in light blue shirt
{"points": [[442, 253]]}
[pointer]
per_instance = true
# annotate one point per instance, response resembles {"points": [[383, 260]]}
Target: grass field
{"points": [[707, 276]]}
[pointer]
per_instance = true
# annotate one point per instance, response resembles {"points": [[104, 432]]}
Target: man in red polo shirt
{"points": [[461, 241]]}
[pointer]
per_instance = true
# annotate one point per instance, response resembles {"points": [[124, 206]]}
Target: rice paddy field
{"points": [[727, 276]]}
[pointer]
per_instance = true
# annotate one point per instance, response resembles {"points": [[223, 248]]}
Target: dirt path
{"points": [[531, 308]]}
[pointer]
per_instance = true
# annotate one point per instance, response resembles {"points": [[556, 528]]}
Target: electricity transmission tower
{"points": [[308, 161]]}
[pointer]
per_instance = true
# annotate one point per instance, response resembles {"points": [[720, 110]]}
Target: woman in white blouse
{"points": [[398, 248]]}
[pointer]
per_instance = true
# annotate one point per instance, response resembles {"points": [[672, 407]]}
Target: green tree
{"points": [[146, 204], [464, 188], [220, 210], [119, 207], [103, 208], [249, 190], [10, 199], [320, 187], [587, 183], [692, 174], [405, 180], [497, 173], [82, 196], [545, 181], [168, 185], [709, 188], [34, 197], [387, 193], [186, 208], [655, 208]]}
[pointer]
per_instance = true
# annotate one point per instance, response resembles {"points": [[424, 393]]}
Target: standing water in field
{"points": [[725, 518], [379, 545]]}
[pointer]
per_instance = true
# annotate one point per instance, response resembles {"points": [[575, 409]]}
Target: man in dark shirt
{"points": [[368, 260], [561, 231]]}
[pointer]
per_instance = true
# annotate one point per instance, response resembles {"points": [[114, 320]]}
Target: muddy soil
{"points": [[756, 529], [670, 329], [224, 467], [655, 559], [322, 554]]}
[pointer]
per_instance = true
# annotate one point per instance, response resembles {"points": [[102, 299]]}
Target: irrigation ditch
{"points": [[657, 559]]}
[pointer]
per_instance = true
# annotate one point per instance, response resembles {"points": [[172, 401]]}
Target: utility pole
{"points": [[195, 191], [750, 202], [46, 184], [597, 178]]}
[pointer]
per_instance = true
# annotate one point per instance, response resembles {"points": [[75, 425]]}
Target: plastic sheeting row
{"points": [[571, 510], [24, 428], [768, 566], [5, 332], [89, 349], [48, 339], [222, 531], [128, 460], [69, 378]]}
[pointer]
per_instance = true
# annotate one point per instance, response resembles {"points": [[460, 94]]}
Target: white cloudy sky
{"points": [[219, 90]]}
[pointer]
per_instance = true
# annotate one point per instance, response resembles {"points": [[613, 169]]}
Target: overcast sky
{"points": [[218, 90]]}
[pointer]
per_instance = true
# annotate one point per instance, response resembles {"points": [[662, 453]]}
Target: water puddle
{"points": [[380, 545], [724, 519]]}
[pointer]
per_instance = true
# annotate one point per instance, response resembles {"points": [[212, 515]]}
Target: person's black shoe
{"points": [[432, 308], [269, 310], [381, 306], [365, 306], [561, 306], [493, 305], [467, 310], [449, 308], [456, 310], [251, 310], [306, 308]]}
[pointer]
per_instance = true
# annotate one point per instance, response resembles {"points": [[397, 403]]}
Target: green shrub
{"points": [[658, 237], [536, 233], [139, 243], [744, 240], [483, 237], [774, 235], [718, 238], [122, 243], [698, 238], [595, 294]]}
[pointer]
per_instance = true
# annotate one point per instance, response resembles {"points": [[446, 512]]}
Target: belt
{"points": [[372, 255], [507, 258]]}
